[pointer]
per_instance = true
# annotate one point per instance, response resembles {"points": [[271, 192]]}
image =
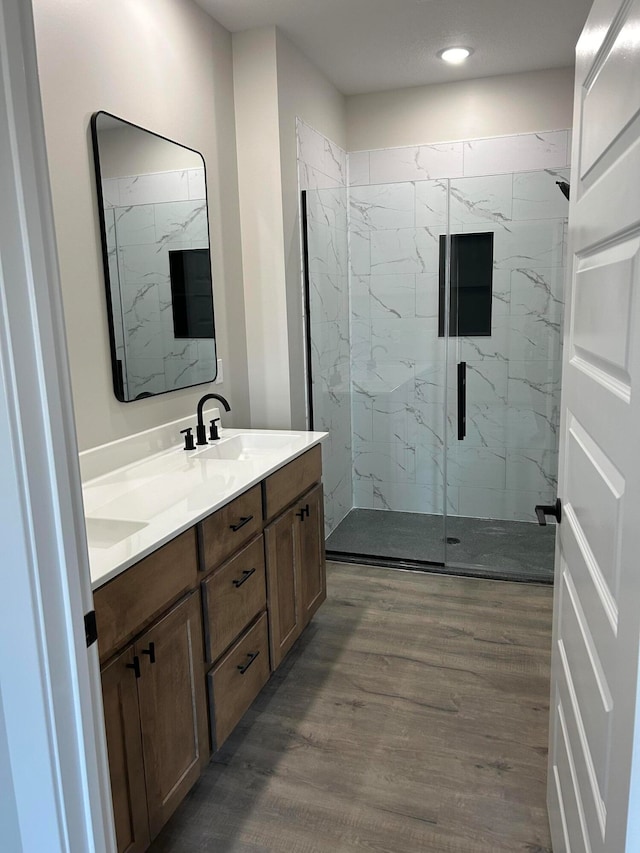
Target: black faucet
{"points": [[201, 431]]}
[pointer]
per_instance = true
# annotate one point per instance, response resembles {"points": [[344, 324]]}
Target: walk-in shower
{"points": [[435, 363]]}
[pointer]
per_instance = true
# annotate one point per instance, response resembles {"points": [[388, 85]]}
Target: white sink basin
{"points": [[188, 488], [107, 532], [248, 446], [104, 489], [134, 507]]}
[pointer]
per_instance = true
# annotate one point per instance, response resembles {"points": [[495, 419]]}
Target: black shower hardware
{"points": [[462, 400], [555, 510], [564, 188]]}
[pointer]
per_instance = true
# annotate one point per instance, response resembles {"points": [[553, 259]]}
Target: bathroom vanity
{"points": [[189, 631]]}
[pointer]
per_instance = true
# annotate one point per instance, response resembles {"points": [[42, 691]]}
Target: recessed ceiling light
{"points": [[455, 55]]}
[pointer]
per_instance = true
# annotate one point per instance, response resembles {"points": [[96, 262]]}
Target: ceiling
{"points": [[375, 45]]}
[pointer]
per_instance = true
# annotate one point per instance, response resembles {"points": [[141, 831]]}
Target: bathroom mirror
{"points": [[152, 202]]}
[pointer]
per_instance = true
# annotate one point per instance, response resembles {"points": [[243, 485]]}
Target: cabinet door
{"points": [[171, 693], [296, 572], [124, 745], [285, 617], [313, 576]]}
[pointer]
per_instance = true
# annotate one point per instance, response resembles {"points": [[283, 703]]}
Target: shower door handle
{"points": [[462, 400], [554, 510]]}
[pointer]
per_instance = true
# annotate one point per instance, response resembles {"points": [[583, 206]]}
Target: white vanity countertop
{"points": [[133, 510]]}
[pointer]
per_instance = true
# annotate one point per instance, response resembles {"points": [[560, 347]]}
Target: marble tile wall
{"points": [[147, 217], [322, 173], [403, 408], [525, 152]]}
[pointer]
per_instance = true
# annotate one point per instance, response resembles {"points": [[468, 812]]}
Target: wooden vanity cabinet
{"points": [[232, 597], [224, 531], [138, 596], [286, 484], [173, 716], [313, 573], [155, 719], [124, 747], [237, 678], [153, 691], [231, 591], [234, 600], [296, 574], [249, 619], [285, 616]]}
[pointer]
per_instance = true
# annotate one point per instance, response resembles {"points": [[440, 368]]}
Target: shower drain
{"points": [[453, 540]]}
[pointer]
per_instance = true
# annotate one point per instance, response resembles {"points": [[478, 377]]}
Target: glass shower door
{"points": [[397, 367], [506, 257]]}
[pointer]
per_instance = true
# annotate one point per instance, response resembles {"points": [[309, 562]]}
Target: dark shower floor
{"points": [[509, 550]]}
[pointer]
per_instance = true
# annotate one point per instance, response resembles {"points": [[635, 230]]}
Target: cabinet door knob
{"points": [[245, 577], [252, 656], [244, 519], [151, 652], [135, 666], [303, 512]]}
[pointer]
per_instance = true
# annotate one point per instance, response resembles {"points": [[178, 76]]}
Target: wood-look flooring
{"points": [[411, 716]]}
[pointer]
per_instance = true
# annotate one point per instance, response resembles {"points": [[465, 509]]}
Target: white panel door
{"points": [[593, 803]]}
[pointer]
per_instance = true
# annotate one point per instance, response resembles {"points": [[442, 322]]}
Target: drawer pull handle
{"points": [[252, 656], [151, 651], [304, 511], [245, 577], [135, 666], [244, 519]]}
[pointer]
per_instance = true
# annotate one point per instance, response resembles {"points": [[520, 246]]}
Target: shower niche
{"points": [[465, 284]]}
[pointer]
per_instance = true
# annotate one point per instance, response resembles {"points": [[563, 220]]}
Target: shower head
{"points": [[564, 188]]}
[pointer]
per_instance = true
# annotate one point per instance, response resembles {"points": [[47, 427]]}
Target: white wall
{"points": [[470, 109], [257, 132], [305, 93], [166, 66], [273, 84], [127, 151]]}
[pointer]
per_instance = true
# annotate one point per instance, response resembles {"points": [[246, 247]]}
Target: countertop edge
{"points": [[191, 521]]}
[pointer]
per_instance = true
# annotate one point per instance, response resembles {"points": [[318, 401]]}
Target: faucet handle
{"points": [[214, 435], [188, 438]]}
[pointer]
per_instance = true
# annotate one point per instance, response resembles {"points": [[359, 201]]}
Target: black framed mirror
{"points": [[152, 203]]}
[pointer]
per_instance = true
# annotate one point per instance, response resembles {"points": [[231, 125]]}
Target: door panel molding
{"points": [[593, 784], [604, 117], [568, 764], [589, 581]]}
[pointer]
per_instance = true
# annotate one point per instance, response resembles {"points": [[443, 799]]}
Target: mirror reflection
{"points": [[155, 240]]}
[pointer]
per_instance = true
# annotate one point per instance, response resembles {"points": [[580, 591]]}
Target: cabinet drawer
{"points": [[230, 527], [285, 485], [233, 597], [236, 681], [129, 602]]}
